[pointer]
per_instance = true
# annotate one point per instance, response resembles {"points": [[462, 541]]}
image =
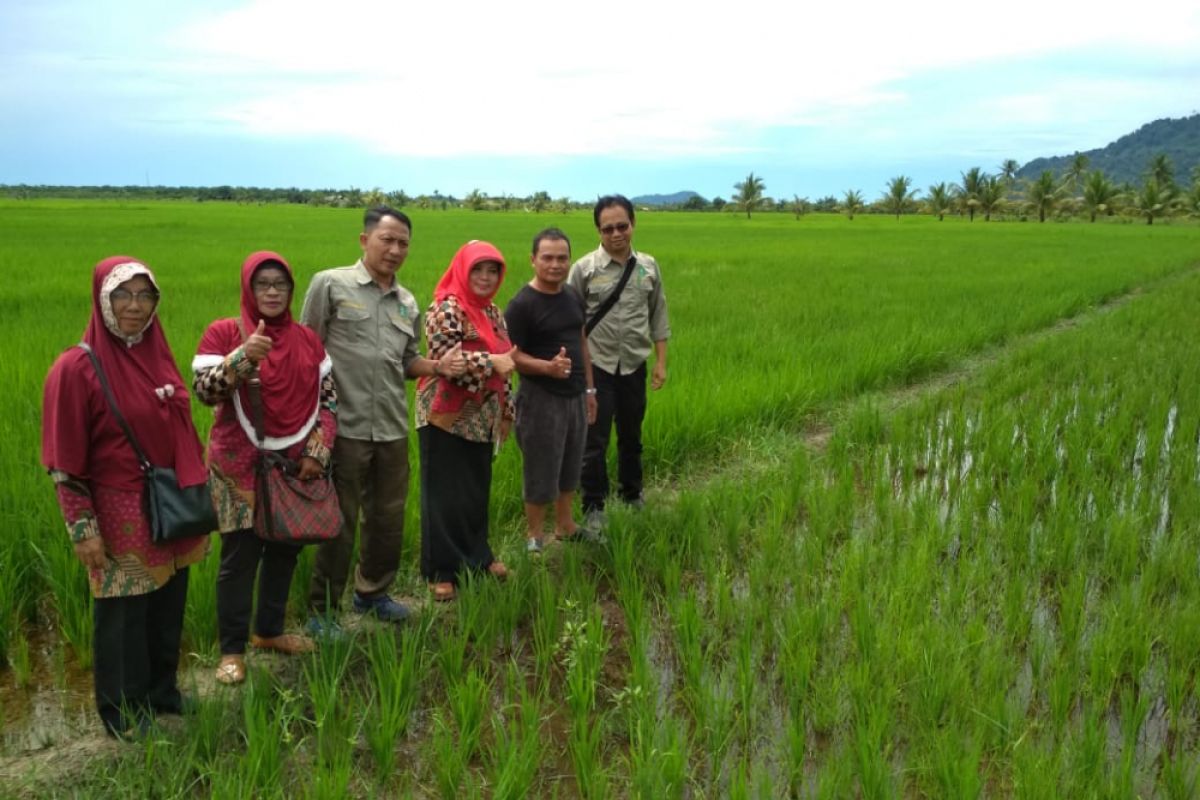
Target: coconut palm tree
{"points": [[898, 196], [939, 199], [967, 192], [1043, 194], [991, 195], [1099, 194], [1162, 171], [749, 193], [1008, 171], [1075, 172], [852, 203], [800, 206], [1153, 200]]}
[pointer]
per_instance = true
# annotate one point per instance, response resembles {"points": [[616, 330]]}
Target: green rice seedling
{"points": [[452, 649], [448, 761], [585, 746], [1179, 776], [72, 597], [546, 621], [517, 749], [748, 674], [325, 674], [395, 674], [584, 643], [468, 701], [716, 720], [20, 660], [266, 728], [200, 619]]}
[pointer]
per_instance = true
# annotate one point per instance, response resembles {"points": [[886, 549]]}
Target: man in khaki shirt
{"points": [[620, 342], [371, 326]]}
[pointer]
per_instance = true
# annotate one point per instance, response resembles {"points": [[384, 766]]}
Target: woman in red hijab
{"points": [[462, 421], [139, 588], [299, 404]]}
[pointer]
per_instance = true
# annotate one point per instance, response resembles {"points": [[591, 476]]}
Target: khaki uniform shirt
{"points": [[625, 337], [371, 337]]}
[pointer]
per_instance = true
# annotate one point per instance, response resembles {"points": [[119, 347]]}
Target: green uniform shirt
{"points": [[371, 337], [625, 337]]}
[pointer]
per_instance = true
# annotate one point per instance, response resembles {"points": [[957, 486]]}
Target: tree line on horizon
{"points": [[1076, 190]]}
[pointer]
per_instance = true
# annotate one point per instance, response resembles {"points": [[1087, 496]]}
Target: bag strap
{"points": [[112, 404], [612, 298]]}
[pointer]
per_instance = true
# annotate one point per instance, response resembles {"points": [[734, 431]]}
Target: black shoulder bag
{"points": [[612, 298], [174, 512]]}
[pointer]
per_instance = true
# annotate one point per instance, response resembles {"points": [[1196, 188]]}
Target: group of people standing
{"points": [[330, 396]]}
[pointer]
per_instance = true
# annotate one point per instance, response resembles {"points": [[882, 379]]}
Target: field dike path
{"points": [[32, 773]]}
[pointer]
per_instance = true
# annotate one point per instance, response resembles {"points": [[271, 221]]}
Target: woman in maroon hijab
{"points": [[462, 420], [139, 587], [298, 420]]}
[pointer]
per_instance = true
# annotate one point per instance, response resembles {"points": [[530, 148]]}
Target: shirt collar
{"points": [[363, 277], [610, 259]]}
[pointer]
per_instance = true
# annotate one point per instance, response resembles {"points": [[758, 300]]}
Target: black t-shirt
{"points": [[540, 324]]}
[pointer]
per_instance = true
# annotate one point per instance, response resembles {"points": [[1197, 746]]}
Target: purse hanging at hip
{"points": [[286, 508], [174, 511]]}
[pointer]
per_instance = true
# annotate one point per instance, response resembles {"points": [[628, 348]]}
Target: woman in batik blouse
{"points": [[139, 588], [461, 421], [299, 404]]}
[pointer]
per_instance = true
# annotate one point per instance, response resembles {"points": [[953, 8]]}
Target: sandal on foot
{"points": [[497, 570], [442, 592], [290, 644], [230, 670]]}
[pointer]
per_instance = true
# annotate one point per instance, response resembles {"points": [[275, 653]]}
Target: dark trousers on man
{"points": [[371, 477], [135, 653], [243, 555], [620, 399]]}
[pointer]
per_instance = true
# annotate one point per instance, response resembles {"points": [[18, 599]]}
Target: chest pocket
{"points": [[394, 336]]}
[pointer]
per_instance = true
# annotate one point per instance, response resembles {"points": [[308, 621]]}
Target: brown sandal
{"points": [[231, 670], [287, 643], [442, 592]]}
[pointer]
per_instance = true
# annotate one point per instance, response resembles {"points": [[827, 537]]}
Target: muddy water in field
{"points": [[53, 706]]}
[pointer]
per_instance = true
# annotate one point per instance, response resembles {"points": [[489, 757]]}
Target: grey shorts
{"points": [[551, 430]]}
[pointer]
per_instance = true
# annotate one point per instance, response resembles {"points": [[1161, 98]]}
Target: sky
{"points": [[576, 99]]}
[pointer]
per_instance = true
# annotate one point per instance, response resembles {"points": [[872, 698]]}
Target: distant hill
{"points": [[679, 198], [1127, 158]]}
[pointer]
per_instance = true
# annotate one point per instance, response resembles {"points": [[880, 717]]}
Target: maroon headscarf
{"points": [[148, 389], [291, 372], [456, 283]]}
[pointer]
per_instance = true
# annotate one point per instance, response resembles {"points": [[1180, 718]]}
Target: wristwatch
{"points": [[592, 390]]}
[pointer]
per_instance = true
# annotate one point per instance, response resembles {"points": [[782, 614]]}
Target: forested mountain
{"points": [[1128, 158]]}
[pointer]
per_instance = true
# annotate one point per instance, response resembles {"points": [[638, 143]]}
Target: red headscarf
{"points": [[148, 389], [291, 372], [456, 283]]}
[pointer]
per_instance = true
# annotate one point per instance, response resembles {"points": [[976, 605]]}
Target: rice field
{"points": [[984, 590]]}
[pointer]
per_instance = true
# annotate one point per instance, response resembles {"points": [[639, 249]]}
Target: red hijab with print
{"points": [[291, 372], [456, 283], [147, 387]]}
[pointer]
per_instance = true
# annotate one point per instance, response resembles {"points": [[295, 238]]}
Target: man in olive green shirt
{"points": [[371, 326], [620, 342]]}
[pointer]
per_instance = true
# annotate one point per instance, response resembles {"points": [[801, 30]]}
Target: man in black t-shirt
{"points": [[556, 400]]}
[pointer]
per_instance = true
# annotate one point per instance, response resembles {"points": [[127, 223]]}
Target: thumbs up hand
{"points": [[258, 344], [560, 365], [502, 363], [452, 363]]}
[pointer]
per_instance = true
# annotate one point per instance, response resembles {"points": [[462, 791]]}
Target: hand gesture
{"points": [[308, 468], [502, 363], [258, 344], [560, 365], [90, 553], [452, 363]]}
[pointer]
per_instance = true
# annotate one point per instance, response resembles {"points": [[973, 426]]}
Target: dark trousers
{"points": [[456, 478], [135, 653], [242, 555], [371, 477], [619, 398]]}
